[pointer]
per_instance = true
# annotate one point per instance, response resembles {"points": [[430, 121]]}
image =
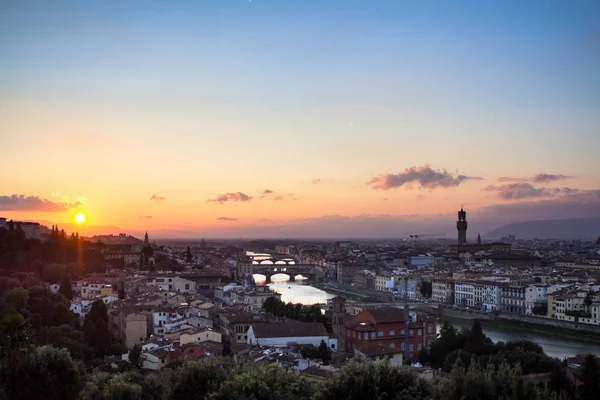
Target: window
{"points": [[419, 347], [372, 335], [411, 332], [392, 332], [429, 329], [411, 347], [392, 345], [366, 336], [420, 332], [379, 334]]}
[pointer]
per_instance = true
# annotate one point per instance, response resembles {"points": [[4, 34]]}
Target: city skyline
{"points": [[229, 116]]}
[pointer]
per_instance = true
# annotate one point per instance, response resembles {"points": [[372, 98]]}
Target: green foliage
{"points": [[296, 311], [200, 378], [15, 337], [136, 357], [590, 376], [14, 300], [426, 288], [47, 373], [65, 286], [68, 337], [324, 354], [475, 340], [268, 382], [373, 381]]}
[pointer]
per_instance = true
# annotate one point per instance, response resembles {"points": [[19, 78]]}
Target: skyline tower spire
{"points": [[461, 226]]}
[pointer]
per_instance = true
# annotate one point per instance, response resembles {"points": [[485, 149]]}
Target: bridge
{"points": [[292, 270]]}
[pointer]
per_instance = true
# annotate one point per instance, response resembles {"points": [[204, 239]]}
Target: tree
{"points": [[426, 288], [97, 312], [588, 299], [14, 300], [15, 337], [590, 376], [136, 357], [65, 286], [258, 382], [197, 379], [324, 353], [48, 373], [373, 381], [475, 339]]}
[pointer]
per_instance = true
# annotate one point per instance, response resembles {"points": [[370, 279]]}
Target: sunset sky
{"points": [[276, 117]]}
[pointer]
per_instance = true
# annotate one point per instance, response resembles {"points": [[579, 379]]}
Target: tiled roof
{"points": [[289, 328]]}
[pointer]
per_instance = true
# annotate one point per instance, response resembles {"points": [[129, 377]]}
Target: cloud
{"points": [[157, 199], [420, 197], [265, 193], [425, 177], [145, 216], [227, 219], [539, 178], [544, 178], [517, 191], [316, 181], [20, 202], [237, 196], [523, 190]]}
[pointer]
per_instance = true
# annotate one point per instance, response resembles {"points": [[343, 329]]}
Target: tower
{"points": [[479, 238], [339, 321], [461, 226], [146, 241]]}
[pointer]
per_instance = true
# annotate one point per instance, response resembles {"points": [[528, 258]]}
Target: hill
{"points": [[565, 229]]}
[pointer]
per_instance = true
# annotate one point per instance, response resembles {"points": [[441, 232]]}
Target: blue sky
{"points": [[187, 99]]}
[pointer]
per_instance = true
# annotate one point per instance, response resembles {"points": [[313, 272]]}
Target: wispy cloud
{"points": [[420, 197], [227, 219], [525, 190], [157, 199], [233, 196], [316, 181], [544, 178], [145, 217], [20, 202], [425, 177], [539, 178], [265, 193]]}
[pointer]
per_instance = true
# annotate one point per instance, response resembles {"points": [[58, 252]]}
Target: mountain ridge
{"points": [[563, 229]]}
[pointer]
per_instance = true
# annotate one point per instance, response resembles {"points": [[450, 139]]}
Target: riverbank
{"points": [[564, 333], [340, 292]]}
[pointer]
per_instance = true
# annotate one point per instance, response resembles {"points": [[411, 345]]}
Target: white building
{"points": [[283, 333], [464, 294], [442, 291]]}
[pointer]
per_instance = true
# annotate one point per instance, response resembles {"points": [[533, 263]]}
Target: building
{"points": [[94, 287], [171, 283], [387, 326], [514, 299], [129, 326], [464, 294], [380, 353], [461, 226], [338, 320], [385, 283], [287, 331], [364, 279], [346, 271], [442, 291]]}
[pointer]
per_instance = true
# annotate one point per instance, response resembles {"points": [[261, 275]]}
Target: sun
{"points": [[80, 218]]}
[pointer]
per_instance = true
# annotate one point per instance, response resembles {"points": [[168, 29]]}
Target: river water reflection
{"points": [[297, 292], [554, 346]]}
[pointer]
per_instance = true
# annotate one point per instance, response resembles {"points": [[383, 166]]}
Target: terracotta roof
{"points": [[386, 314], [378, 350]]}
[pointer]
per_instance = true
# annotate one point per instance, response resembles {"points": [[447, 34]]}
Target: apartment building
{"points": [[442, 291], [464, 294]]}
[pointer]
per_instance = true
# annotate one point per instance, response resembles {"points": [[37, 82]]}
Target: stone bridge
{"points": [[292, 270]]}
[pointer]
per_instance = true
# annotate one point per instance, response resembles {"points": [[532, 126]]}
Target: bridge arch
{"points": [[280, 277], [265, 262]]}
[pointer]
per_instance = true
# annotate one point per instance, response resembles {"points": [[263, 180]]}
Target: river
{"points": [[554, 346]]}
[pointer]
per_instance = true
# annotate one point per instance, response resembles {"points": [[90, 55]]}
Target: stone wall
{"points": [[465, 314], [549, 321]]}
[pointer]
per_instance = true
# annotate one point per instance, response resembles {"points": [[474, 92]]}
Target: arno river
{"points": [[554, 346]]}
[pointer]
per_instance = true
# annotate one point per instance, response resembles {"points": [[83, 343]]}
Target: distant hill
{"points": [[564, 229]]}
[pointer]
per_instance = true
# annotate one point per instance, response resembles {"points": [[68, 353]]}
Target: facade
{"points": [[513, 299], [200, 336], [464, 294], [385, 283], [364, 279], [380, 353], [387, 326], [442, 291], [535, 295]]}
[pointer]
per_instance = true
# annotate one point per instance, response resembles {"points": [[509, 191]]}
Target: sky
{"points": [[274, 117]]}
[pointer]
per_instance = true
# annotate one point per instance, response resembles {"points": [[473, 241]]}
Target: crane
{"points": [[417, 236]]}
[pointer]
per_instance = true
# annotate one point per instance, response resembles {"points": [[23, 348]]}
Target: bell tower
{"points": [[461, 226], [339, 321]]}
